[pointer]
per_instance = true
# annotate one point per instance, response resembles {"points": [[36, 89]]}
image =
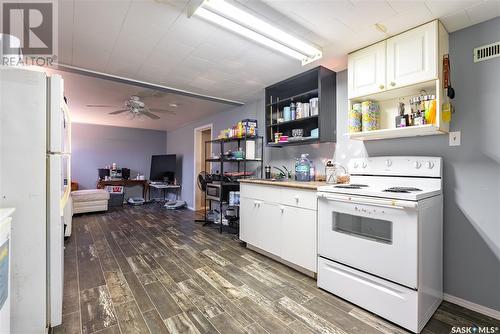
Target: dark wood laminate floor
{"points": [[148, 270]]}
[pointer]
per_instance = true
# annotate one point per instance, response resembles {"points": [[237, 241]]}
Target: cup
{"points": [[287, 114]]}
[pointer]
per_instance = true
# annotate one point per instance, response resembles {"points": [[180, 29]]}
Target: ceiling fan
{"points": [[135, 107]]}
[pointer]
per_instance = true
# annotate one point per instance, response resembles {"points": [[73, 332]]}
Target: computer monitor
{"points": [[163, 168]]}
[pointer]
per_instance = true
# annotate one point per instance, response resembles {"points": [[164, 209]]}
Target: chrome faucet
{"points": [[284, 173]]}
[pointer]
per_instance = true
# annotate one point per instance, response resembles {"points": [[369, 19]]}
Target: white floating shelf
{"points": [[409, 131]]}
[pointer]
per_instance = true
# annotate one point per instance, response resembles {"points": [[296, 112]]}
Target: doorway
{"points": [[201, 135]]}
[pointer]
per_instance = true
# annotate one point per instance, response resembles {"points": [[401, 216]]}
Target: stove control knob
{"points": [[429, 164], [417, 164], [356, 165], [388, 163], [363, 164]]}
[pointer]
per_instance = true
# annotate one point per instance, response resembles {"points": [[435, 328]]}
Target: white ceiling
{"points": [[155, 41], [83, 90]]}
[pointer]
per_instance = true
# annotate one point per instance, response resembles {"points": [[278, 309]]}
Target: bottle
{"points": [[312, 172], [293, 111], [303, 168], [402, 119], [268, 172]]}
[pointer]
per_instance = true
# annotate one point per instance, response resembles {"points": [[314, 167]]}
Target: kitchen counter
{"points": [[7, 212], [312, 185]]}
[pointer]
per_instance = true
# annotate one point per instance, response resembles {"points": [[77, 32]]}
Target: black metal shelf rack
{"points": [[241, 165]]}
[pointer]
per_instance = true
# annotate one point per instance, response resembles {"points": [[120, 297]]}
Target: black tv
{"points": [[163, 168]]}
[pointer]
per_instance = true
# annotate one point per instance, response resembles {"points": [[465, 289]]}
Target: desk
{"points": [[164, 187], [101, 184]]}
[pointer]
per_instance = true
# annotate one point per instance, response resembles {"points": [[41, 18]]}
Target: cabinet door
{"points": [[260, 224], [248, 226], [299, 245], [412, 56], [366, 70], [269, 233]]}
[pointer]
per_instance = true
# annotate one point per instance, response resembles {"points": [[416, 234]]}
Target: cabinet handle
{"points": [[393, 83], [282, 209], [297, 198], [381, 87]]}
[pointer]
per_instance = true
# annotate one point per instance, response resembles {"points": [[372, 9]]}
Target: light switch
{"points": [[455, 138]]}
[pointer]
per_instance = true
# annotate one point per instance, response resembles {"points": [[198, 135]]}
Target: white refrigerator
{"points": [[35, 157]]}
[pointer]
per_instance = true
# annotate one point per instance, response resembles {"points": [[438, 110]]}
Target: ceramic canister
{"points": [[370, 114], [355, 118]]}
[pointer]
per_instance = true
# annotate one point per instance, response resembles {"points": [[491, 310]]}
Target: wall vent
{"points": [[487, 52]]}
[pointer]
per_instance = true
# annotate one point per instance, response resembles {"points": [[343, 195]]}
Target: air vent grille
{"points": [[487, 52]]}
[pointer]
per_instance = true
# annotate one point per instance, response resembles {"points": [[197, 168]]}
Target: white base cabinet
{"points": [[283, 224]]}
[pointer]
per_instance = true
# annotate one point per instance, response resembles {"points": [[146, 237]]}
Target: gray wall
{"points": [[471, 171], [95, 146]]}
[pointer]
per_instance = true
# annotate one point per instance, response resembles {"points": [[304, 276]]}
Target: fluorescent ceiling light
{"points": [[245, 24]]}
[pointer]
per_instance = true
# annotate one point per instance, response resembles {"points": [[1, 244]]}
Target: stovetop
{"points": [[405, 188]]}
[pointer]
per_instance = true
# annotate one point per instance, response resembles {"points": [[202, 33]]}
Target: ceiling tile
{"points": [[402, 6], [441, 8], [456, 21], [484, 11], [408, 18]]}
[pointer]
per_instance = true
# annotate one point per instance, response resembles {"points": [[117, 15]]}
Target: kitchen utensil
{"points": [[450, 92], [335, 173]]}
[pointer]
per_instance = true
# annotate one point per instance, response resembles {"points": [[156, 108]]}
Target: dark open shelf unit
{"points": [[318, 82], [241, 165]]}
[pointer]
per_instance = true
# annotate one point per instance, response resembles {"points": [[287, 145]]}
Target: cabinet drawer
{"points": [[260, 192], [305, 199], [391, 301]]}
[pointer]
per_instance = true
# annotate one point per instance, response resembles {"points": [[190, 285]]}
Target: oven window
{"points": [[363, 227]]}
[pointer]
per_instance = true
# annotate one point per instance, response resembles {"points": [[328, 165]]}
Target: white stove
{"points": [[406, 178], [380, 237]]}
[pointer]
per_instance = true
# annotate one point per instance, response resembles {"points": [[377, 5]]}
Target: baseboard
{"points": [[190, 208], [472, 306]]}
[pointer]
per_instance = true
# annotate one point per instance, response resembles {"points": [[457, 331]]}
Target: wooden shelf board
{"points": [[292, 98], [409, 131], [291, 143], [295, 121], [429, 86]]}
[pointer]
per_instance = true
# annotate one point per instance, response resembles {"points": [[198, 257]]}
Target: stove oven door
{"points": [[377, 236]]}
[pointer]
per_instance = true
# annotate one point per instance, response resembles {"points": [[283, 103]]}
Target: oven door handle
{"points": [[393, 204]]}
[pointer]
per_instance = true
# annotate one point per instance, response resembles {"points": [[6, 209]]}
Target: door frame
{"points": [[197, 137]]}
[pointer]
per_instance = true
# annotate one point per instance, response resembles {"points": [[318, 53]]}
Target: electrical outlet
{"points": [[455, 138]]}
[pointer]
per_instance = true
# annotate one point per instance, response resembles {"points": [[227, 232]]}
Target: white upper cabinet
{"points": [[366, 70], [412, 57], [402, 60]]}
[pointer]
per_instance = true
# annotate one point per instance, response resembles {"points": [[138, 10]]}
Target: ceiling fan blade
{"points": [[116, 112], [162, 111], [100, 106], [150, 115]]}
